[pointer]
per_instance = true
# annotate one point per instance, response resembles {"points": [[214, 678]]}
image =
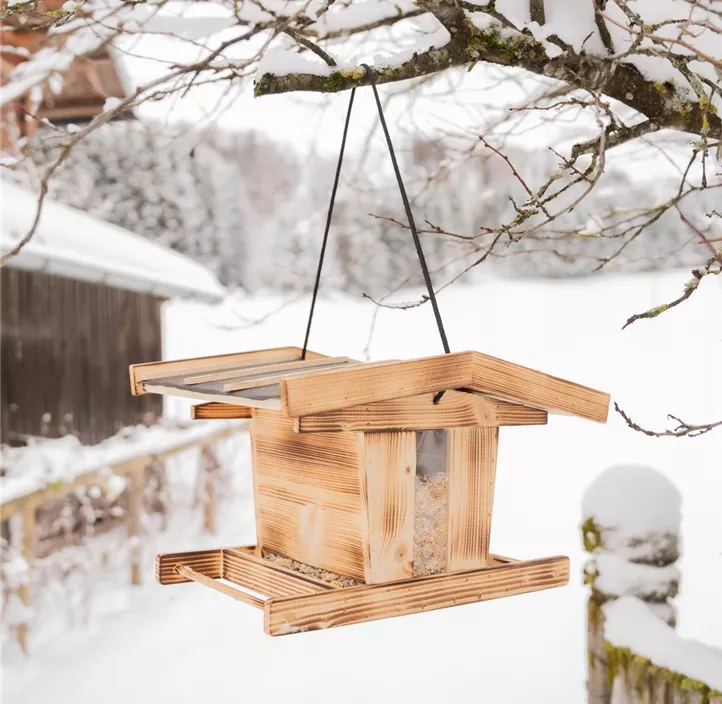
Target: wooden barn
{"points": [[80, 303]]}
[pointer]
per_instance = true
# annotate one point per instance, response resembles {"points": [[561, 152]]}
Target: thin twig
{"points": [[681, 430]]}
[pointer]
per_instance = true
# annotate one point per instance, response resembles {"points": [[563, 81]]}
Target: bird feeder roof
{"points": [[321, 387]]}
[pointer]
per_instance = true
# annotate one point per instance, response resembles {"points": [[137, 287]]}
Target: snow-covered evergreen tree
{"points": [[255, 213]]}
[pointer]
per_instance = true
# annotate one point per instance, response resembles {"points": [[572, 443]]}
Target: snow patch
{"points": [[46, 463], [632, 502], [616, 577], [282, 63], [70, 243], [630, 624]]}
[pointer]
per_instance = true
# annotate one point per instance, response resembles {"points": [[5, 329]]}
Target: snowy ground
{"points": [[186, 644]]}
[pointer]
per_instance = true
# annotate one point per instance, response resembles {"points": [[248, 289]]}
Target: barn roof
{"points": [[318, 388], [76, 245]]}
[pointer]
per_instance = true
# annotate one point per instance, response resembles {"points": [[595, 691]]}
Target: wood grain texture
{"points": [[455, 409], [336, 389], [190, 574], [255, 381], [341, 607], [307, 494], [242, 566], [471, 472], [533, 388], [387, 470], [207, 562], [219, 411], [263, 369], [378, 381], [317, 534], [140, 373]]}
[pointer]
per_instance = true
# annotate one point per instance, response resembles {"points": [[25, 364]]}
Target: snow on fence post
{"points": [[631, 528]]}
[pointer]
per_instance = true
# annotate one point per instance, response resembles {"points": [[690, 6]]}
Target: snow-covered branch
{"points": [[652, 74]]}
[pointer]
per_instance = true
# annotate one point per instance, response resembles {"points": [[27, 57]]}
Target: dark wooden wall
{"points": [[66, 347]]}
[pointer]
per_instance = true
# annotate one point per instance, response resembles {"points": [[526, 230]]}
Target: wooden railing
{"points": [[134, 471]]}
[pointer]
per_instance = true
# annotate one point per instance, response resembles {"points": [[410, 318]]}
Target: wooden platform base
{"points": [[294, 603]]}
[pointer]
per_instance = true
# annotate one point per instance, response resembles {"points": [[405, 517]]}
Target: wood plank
{"points": [[237, 594], [378, 381], [219, 411], [307, 494], [249, 555], [140, 373], [238, 400], [261, 369], [262, 577], [533, 388], [341, 607], [207, 562], [455, 409], [319, 535], [319, 468], [471, 472], [255, 460], [255, 382], [387, 469]]}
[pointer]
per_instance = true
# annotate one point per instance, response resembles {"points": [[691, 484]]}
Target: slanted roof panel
{"points": [[302, 390], [529, 387], [76, 245], [336, 389]]}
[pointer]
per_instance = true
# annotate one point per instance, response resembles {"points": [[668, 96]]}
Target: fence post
{"points": [[136, 486], [210, 467], [631, 526], [29, 513]]}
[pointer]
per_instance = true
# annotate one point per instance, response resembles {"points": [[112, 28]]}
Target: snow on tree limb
{"points": [[667, 91]]}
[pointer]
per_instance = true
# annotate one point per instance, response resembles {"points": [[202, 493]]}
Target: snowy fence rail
{"points": [[23, 495], [631, 528]]}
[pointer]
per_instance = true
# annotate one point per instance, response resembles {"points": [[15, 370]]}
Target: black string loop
{"points": [[328, 224], [409, 215]]}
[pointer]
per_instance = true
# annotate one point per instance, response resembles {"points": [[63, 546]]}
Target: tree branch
{"points": [[689, 288], [662, 104], [681, 430]]}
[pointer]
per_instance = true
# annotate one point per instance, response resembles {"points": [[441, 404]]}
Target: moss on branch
{"points": [[662, 103]]}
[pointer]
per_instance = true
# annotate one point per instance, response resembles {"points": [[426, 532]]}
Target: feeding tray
{"points": [[344, 480]]}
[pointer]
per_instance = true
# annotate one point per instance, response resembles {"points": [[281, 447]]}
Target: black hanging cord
{"points": [[328, 225], [409, 215]]}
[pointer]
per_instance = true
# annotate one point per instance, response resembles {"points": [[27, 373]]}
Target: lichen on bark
{"points": [[665, 104]]}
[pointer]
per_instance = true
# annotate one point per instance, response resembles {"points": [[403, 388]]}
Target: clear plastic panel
{"points": [[431, 505]]}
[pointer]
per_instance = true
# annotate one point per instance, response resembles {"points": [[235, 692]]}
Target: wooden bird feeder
{"points": [[336, 486]]}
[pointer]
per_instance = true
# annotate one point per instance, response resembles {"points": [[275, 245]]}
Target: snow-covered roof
{"points": [[74, 244]]}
